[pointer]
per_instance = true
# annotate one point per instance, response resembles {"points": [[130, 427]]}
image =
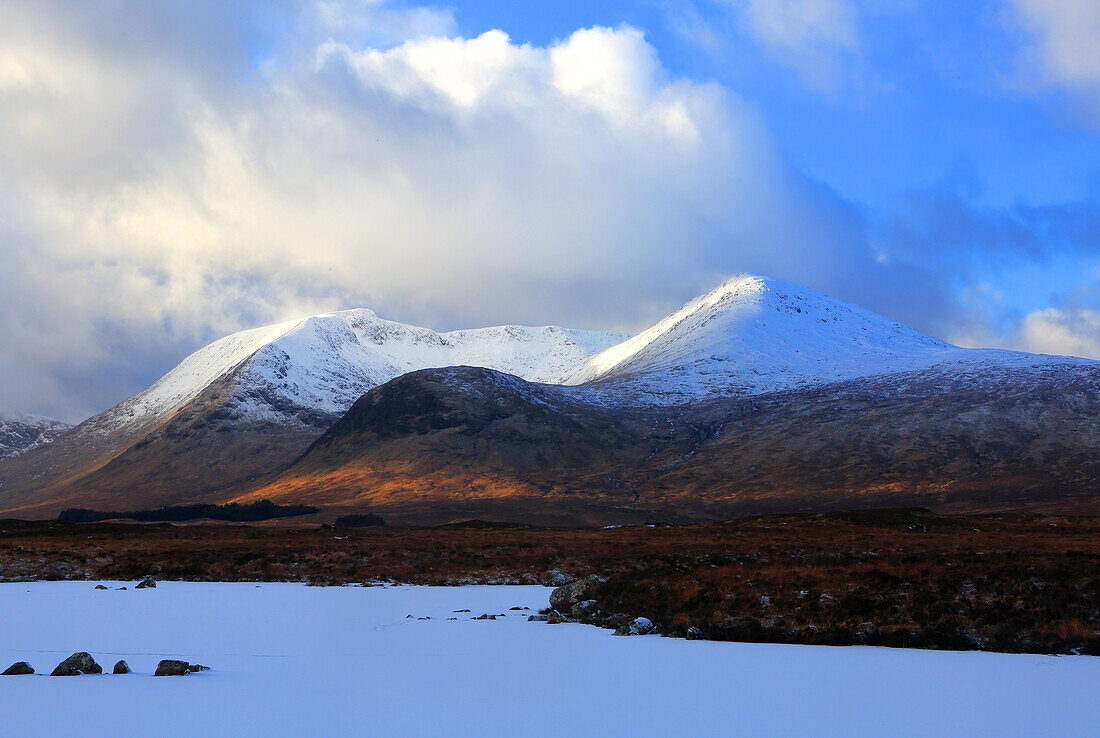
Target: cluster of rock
{"points": [[577, 602], [146, 583], [83, 663]]}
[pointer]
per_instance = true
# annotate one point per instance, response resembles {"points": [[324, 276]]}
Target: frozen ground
{"points": [[296, 660]]}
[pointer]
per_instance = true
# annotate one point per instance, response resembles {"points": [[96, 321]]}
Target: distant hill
{"points": [[20, 433]]}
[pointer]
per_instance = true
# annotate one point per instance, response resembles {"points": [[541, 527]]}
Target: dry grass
{"points": [[901, 577]]}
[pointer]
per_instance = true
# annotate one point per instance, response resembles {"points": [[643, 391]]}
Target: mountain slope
{"points": [[245, 405], [445, 444], [20, 433], [755, 334], [760, 395]]}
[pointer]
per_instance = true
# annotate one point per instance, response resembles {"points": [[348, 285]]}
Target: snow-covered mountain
{"points": [[241, 410], [325, 362], [754, 334], [253, 400], [20, 432]]}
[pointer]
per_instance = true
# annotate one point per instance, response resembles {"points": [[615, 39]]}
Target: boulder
{"points": [[79, 663], [581, 609], [19, 667], [147, 583], [694, 634], [100, 586], [555, 617], [172, 667], [121, 668], [564, 597], [537, 618], [556, 578], [637, 626]]}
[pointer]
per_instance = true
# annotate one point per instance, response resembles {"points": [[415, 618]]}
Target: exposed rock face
{"points": [[18, 668], [121, 668], [565, 597], [79, 663]]}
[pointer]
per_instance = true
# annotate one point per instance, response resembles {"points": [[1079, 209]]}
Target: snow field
{"points": [[289, 659]]}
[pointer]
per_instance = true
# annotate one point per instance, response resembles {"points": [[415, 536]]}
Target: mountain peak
{"points": [[756, 334]]}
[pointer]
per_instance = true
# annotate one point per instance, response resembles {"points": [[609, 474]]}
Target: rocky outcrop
{"points": [[566, 597], [77, 664], [147, 583]]}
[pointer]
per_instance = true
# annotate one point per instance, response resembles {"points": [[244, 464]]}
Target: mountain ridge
{"points": [[233, 416]]}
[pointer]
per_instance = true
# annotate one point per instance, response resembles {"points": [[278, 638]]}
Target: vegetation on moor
{"points": [[891, 577], [233, 512]]}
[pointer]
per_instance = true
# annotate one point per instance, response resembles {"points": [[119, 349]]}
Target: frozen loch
{"points": [[294, 660]]}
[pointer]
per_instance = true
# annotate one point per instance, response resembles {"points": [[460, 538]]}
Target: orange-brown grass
{"points": [[895, 577]]}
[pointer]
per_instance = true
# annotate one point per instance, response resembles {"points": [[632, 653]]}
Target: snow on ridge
{"points": [[328, 361], [325, 362], [38, 421], [20, 432], [191, 376], [755, 334]]}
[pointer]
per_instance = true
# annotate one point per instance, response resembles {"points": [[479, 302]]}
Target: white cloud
{"points": [[813, 36], [797, 24], [1064, 48], [1068, 332]]}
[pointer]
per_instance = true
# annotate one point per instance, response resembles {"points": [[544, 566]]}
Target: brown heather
{"points": [[891, 577]]}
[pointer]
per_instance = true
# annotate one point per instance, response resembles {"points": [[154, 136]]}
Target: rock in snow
{"points": [[637, 626], [173, 667], [79, 663], [18, 668]]}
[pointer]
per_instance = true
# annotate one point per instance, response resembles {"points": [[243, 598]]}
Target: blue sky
{"points": [[172, 172]]}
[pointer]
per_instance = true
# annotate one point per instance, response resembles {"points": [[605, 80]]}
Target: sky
{"points": [[172, 172]]}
